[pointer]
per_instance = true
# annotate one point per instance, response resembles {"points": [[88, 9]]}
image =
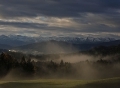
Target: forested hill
{"points": [[105, 50]]}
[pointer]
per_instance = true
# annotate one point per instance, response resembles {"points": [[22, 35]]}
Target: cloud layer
{"points": [[59, 17]]}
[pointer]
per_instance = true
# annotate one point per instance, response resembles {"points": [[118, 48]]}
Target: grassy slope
{"points": [[49, 83]]}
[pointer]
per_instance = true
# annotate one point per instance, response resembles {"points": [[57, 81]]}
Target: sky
{"points": [[60, 17]]}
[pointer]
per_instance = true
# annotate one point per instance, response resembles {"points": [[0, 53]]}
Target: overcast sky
{"points": [[59, 17]]}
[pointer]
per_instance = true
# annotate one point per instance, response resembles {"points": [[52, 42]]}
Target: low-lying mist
{"points": [[76, 66], [76, 58], [48, 47], [92, 64]]}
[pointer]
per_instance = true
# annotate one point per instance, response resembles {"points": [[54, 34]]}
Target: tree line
{"points": [[26, 67]]}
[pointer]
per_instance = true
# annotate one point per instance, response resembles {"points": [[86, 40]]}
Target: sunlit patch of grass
{"points": [[42, 83], [62, 83], [103, 83]]}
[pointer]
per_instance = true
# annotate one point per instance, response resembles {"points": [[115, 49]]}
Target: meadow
{"points": [[62, 83]]}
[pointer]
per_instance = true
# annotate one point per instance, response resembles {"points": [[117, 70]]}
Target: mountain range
{"points": [[54, 44], [17, 40]]}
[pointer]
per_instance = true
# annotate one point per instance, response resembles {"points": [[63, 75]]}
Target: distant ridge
{"points": [[62, 47]]}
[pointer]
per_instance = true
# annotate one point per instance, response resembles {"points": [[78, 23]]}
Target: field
{"points": [[62, 83]]}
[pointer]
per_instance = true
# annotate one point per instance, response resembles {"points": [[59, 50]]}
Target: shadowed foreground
{"points": [[49, 83]]}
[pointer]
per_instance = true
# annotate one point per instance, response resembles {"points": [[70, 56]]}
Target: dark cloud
{"points": [[57, 8], [111, 4], [100, 28], [24, 25], [36, 26], [88, 15]]}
